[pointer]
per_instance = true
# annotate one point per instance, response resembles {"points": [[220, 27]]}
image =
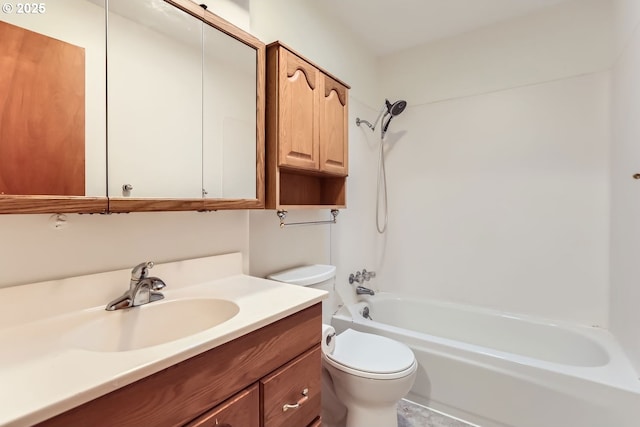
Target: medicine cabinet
{"points": [[172, 119]]}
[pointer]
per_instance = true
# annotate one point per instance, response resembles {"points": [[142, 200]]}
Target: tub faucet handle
{"points": [[368, 275], [358, 278]]}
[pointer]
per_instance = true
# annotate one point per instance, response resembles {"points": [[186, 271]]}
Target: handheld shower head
{"points": [[396, 108], [392, 110], [388, 109]]}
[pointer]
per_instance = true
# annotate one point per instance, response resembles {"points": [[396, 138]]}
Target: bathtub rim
{"points": [[618, 372]]}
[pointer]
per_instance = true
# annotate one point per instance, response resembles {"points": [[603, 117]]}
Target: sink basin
{"points": [[150, 324]]}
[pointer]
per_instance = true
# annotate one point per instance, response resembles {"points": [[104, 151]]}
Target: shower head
{"points": [[396, 108], [392, 110], [388, 109]]}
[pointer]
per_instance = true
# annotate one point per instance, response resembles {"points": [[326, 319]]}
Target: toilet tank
{"points": [[318, 276]]}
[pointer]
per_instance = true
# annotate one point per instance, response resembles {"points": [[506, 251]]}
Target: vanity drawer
{"points": [[241, 410], [288, 386]]}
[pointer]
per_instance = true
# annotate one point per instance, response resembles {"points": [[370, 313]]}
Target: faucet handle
{"points": [[141, 270]]}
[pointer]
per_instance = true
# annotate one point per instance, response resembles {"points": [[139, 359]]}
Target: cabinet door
{"points": [[298, 113], [334, 128], [242, 410], [154, 101], [41, 114], [291, 395]]}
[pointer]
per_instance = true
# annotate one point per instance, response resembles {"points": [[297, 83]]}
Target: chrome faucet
{"points": [[142, 289], [360, 277], [361, 290]]}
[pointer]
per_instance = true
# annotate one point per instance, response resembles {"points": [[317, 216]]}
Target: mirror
{"points": [[154, 89], [52, 109], [180, 125], [183, 94], [229, 119]]}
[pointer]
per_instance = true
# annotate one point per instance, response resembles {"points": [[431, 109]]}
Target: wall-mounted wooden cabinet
{"points": [[307, 133]]}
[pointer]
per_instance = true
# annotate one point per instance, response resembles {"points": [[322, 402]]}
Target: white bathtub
{"points": [[495, 369]]}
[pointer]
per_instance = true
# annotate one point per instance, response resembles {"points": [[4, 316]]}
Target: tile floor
{"points": [[414, 415]]}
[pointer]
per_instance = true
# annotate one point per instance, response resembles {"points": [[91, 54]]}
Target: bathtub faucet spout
{"points": [[361, 290]]}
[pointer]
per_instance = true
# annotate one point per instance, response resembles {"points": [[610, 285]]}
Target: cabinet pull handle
{"points": [[304, 398]]}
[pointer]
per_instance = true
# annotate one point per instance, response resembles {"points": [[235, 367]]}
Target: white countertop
{"points": [[42, 375]]}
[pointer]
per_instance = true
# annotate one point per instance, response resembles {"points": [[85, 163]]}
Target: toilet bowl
{"points": [[366, 373], [370, 374]]}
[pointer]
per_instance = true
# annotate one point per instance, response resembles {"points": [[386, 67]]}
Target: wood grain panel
{"points": [[285, 386], [176, 395], [242, 410], [42, 112], [261, 106], [118, 205], [318, 67], [271, 126], [298, 102], [51, 204], [334, 129], [331, 85], [301, 190]]}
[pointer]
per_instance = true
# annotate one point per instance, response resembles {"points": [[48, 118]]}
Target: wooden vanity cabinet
{"points": [[244, 383], [298, 384], [242, 409], [307, 133]]}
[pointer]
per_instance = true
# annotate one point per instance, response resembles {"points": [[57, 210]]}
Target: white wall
{"points": [[498, 170], [563, 41], [32, 250], [501, 200], [625, 191]]}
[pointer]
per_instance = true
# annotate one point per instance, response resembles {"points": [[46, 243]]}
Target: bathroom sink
{"points": [[150, 324]]}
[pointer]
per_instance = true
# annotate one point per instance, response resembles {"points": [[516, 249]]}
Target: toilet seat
{"points": [[371, 356]]}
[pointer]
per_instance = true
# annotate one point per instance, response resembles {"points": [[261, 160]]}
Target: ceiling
{"points": [[392, 25]]}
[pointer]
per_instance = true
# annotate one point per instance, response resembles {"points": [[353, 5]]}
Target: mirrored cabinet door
{"points": [[154, 83], [229, 116], [52, 108]]}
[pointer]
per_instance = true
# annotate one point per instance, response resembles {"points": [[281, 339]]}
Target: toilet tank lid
{"points": [[305, 275]]}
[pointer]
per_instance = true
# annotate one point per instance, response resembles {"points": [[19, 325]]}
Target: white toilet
{"points": [[368, 373]]}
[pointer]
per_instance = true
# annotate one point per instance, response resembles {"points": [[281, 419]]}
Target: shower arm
{"points": [[372, 126]]}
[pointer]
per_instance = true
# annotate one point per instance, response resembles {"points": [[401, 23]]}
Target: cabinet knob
{"points": [[304, 398]]}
